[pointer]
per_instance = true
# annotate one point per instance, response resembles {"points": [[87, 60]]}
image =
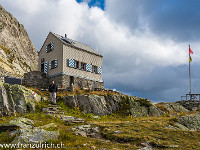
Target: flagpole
{"points": [[189, 73]]}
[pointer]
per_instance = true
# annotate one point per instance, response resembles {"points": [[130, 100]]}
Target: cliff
{"points": [[17, 53]]}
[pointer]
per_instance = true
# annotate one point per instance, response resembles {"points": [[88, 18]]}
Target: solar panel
{"points": [[67, 40]]}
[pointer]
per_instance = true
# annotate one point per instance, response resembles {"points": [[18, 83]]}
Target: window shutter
{"points": [[52, 46], [46, 48], [67, 62], [71, 63], [56, 63], [99, 70], [88, 67], [45, 67], [50, 65]]}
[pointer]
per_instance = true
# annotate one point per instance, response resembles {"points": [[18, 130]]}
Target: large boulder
{"points": [[190, 104], [141, 107], [17, 98], [88, 104], [191, 122], [35, 135], [172, 107], [26, 133]]}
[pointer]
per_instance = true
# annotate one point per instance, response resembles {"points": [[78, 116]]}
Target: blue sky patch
{"points": [[93, 3]]}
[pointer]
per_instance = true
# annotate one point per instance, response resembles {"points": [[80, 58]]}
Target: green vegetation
{"points": [[6, 63], [24, 64], [9, 54], [6, 50], [133, 131], [11, 58]]}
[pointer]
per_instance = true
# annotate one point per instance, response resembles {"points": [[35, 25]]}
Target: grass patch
{"points": [[134, 131], [9, 54]]}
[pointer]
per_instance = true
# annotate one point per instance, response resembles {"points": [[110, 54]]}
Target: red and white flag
{"points": [[190, 51]]}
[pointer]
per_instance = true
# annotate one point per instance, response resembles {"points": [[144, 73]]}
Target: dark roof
{"points": [[76, 44]]}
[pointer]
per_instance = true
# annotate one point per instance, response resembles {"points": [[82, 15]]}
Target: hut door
{"points": [[71, 80]]}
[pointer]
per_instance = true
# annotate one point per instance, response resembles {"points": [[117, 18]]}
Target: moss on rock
{"points": [[18, 99]]}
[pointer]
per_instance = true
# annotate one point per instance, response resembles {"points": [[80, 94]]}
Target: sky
{"points": [[144, 42]]}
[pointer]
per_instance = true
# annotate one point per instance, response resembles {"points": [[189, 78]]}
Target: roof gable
{"points": [[76, 44]]}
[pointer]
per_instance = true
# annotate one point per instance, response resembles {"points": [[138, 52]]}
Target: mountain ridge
{"points": [[17, 52]]}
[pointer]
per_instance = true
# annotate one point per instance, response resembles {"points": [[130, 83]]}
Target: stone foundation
{"points": [[63, 82], [36, 79]]}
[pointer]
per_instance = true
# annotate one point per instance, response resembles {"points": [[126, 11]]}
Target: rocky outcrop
{"points": [[27, 133], [87, 131], [17, 53], [17, 98], [191, 105], [187, 123], [102, 105], [141, 107], [88, 104], [169, 107]]}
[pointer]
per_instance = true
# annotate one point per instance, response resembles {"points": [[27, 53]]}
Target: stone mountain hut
{"points": [[69, 63]]}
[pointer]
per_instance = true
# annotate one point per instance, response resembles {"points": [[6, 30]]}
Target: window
{"points": [[52, 64], [48, 47], [42, 67], [94, 69], [76, 64], [83, 66]]}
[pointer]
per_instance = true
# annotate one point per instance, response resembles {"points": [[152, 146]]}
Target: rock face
{"points": [[16, 98], [172, 107], [190, 104], [29, 134], [141, 107], [188, 122], [102, 105], [17, 53]]}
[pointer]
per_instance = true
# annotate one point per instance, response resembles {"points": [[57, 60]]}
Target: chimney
{"points": [[65, 35]]}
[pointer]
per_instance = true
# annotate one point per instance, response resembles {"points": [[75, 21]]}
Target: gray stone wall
{"points": [[36, 79], [63, 82], [39, 80], [89, 84]]}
